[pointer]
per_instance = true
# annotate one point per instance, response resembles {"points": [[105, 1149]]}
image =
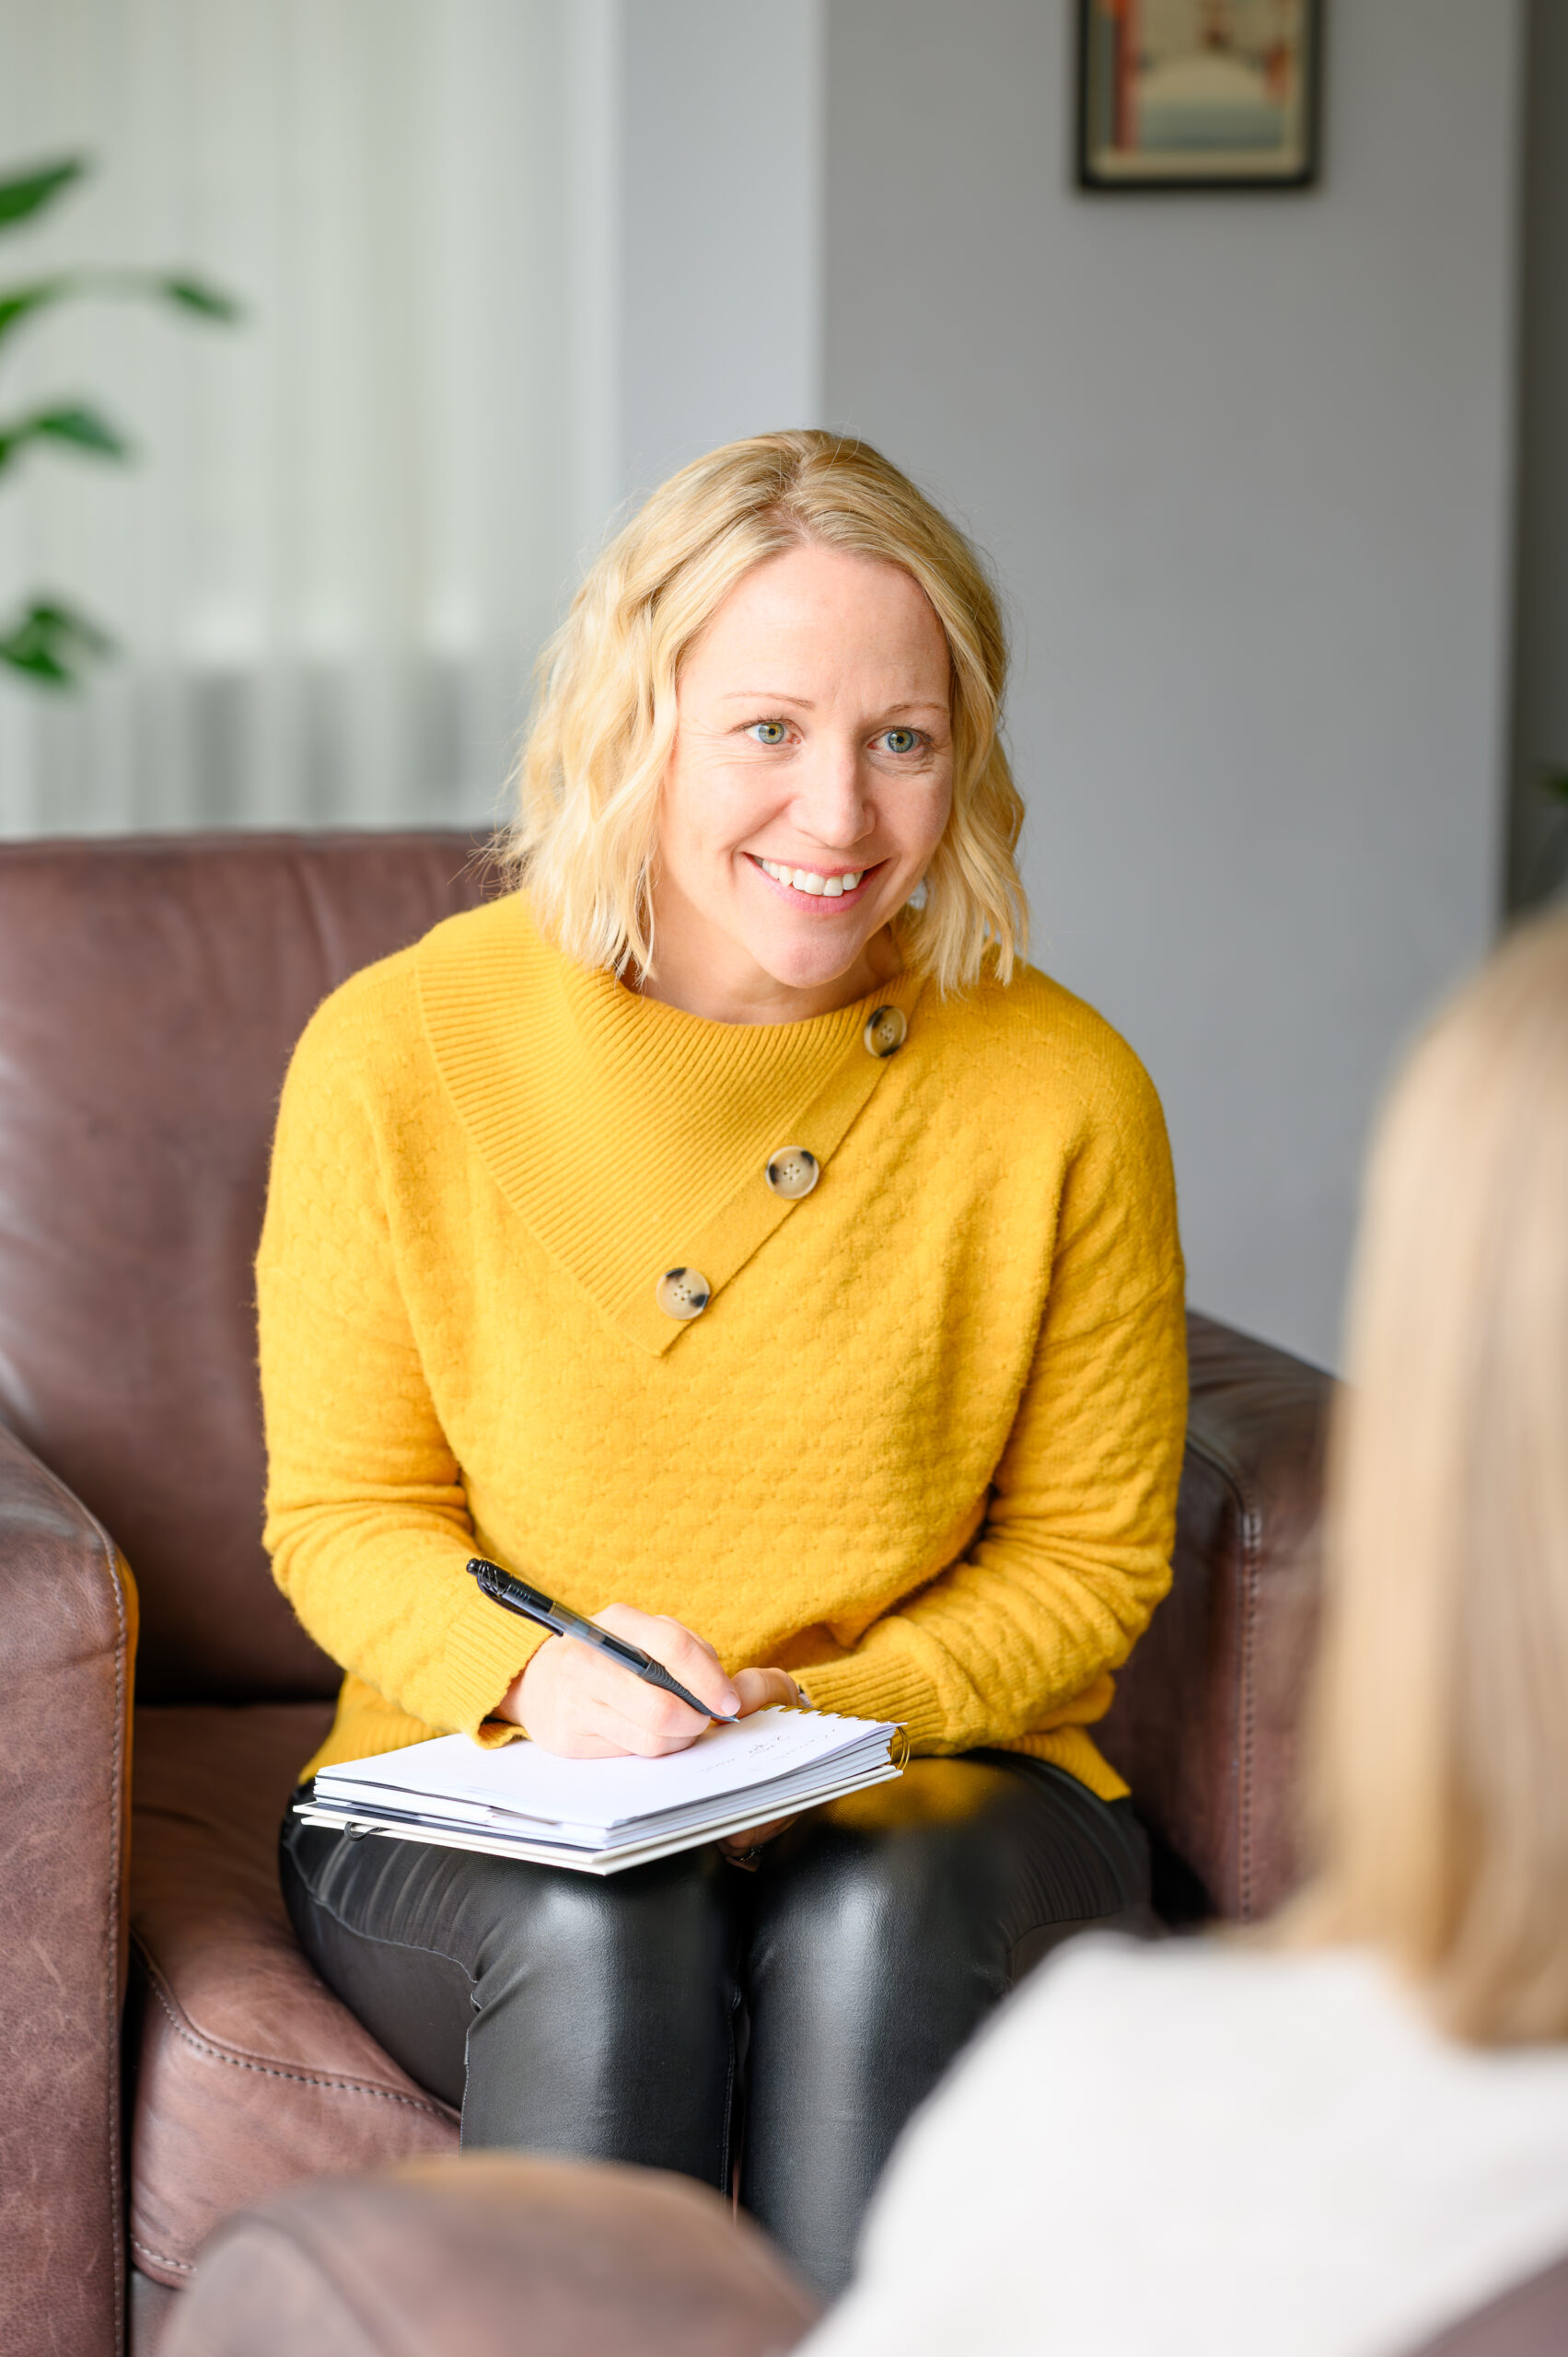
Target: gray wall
{"points": [[1244, 466], [721, 197]]}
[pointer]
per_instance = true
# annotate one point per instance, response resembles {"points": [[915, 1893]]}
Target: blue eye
{"points": [[899, 741], [768, 732]]}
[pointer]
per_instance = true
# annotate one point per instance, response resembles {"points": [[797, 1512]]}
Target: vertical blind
{"points": [[354, 515]]}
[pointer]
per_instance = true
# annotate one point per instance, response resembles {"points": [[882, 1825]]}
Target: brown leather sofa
{"points": [[150, 992]]}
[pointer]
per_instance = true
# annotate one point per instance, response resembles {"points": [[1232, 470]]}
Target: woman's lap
{"points": [[565, 2014], [599, 2018]]}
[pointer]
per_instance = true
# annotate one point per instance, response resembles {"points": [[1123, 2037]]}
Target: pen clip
{"points": [[505, 1588]]}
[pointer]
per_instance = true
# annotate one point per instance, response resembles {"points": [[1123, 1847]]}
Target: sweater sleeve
{"points": [[1022, 1633], [367, 1519]]}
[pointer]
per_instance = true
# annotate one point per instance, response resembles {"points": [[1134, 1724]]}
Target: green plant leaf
{"points": [[195, 294], [52, 643], [1555, 782], [28, 193], [82, 428], [18, 303]]}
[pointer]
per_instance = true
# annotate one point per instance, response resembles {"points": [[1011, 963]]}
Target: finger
{"points": [[684, 1656], [583, 1704], [754, 1837], [597, 1681], [763, 1689], [648, 1722], [639, 1699]]}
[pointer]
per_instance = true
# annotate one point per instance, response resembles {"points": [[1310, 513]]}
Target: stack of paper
{"points": [[600, 1815]]}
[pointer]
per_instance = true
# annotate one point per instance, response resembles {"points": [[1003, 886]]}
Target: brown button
{"points": [[885, 1032], [792, 1172], [682, 1293]]}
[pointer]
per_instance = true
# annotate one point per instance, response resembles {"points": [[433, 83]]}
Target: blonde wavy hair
{"points": [[586, 840], [1438, 1758]]}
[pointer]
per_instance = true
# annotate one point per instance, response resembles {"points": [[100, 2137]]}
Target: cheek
{"points": [[699, 812], [737, 801], [921, 820]]}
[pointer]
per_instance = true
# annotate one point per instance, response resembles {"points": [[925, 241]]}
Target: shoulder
{"points": [[1034, 1030], [1244, 2032], [370, 1030], [1031, 1047]]}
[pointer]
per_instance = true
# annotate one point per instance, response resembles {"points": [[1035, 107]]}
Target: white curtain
{"points": [[354, 515]]}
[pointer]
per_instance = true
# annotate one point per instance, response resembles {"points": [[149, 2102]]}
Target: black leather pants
{"points": [[684, 2013]]}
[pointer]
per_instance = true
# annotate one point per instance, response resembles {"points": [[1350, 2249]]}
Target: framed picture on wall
{"points": [[1198, 94]]}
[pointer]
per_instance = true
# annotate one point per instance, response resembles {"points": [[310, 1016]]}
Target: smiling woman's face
{"points": [[809, 786]]}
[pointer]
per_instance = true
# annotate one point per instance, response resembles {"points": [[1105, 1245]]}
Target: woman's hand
{"points": [[586, 1705]]}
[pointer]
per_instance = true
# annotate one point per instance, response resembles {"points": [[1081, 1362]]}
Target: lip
{"points": [[809, 901]]}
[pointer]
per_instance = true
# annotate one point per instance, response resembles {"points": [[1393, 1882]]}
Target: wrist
{"points": [[510, 1706]]}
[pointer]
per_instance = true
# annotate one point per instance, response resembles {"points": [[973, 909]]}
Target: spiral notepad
{"points": [[598, 1815]]}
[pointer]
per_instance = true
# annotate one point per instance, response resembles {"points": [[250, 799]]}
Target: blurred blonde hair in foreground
{"points": [[586, 840], [1438, 1779]]}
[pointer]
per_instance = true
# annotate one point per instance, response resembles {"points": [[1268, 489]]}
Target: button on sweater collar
{"points": [[630, 1135]]}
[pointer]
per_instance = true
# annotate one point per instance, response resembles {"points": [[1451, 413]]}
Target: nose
{"points": [[833, 803]]}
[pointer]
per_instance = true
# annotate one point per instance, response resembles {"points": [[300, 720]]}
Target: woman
{"points": [[1340, 2138], [728, 1231]]}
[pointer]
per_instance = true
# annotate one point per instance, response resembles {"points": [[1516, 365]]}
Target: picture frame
{"points": [[1195, 94]]}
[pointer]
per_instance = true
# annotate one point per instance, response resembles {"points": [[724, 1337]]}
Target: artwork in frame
{"points": [[1198, 94]]}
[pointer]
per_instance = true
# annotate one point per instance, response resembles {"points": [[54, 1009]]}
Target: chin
{"points": [[806, 960]]}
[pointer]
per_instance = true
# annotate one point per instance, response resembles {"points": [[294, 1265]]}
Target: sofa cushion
{"points": [[250, 2076]]}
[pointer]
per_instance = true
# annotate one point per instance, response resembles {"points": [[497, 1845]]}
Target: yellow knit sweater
{"points": [[921, 1446]]}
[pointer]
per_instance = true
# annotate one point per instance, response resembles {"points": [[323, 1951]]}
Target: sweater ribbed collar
{"points": [[631, 1136]]}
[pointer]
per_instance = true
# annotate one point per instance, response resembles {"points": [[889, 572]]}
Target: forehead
{"points": [[826, 612]]}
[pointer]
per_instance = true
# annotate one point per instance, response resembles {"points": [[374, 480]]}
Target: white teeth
{"points": [[807, 880]]}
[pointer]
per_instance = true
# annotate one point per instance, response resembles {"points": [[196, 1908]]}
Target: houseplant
{"points": [[48, 641]]}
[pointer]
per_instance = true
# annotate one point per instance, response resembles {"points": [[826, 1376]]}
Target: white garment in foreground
{"points": [[1203, 2150]]}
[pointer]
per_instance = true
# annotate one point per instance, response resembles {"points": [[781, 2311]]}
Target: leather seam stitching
{"points": [[344, 2086], [117, 1846], [109, 1555], [161, 2258], [1250, 1526]]}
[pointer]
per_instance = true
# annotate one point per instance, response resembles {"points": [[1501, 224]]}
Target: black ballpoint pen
{"points": [[516, 1596]]}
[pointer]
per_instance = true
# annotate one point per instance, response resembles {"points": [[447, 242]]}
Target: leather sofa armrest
{"points": [[493, 2250], [1206, 1722], [67, 1647]]}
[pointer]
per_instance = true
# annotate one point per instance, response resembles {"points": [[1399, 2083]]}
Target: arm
{"points": [[68, 1642], [367, 1522], [1023, 1632]]}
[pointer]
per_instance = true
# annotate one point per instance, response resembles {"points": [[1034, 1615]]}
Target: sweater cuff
{"points": [[859, 1688], [485, 1650]]}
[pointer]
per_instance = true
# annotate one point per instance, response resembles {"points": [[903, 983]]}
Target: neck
{"points": [[743, 992]]}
